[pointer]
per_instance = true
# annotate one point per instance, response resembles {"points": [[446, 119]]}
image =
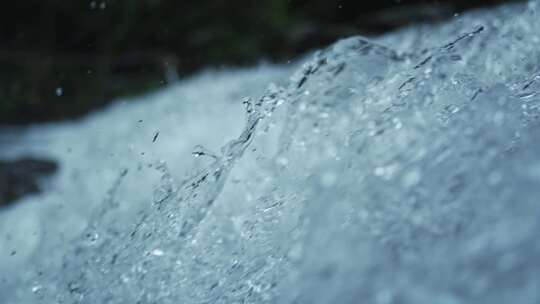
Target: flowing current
{"points": [[404, 169]]}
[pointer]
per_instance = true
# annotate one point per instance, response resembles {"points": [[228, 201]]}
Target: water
{"points": [[400, 170]]}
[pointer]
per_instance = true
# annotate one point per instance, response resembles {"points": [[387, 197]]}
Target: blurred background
{"points": [[62, 59]]}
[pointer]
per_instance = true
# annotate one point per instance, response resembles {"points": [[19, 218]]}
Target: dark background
{"points": [[59, 59]]}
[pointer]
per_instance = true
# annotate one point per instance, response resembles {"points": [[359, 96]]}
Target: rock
{"points": [[22, 177]]}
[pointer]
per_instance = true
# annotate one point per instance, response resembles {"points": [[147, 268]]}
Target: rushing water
{"points": [[402, 170]]}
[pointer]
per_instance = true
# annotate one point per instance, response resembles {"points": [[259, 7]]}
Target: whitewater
{"points": [[399, 169]]}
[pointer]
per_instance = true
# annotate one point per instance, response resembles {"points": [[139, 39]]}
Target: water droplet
{"points": [[36, 288], [328, 179], [494, 178], [498, 118], [411, 178], [157, 252], [200, 150], [92, 238], [282, 161]]}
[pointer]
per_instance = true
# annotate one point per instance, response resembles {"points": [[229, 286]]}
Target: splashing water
{"points": [[403, 170]]}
